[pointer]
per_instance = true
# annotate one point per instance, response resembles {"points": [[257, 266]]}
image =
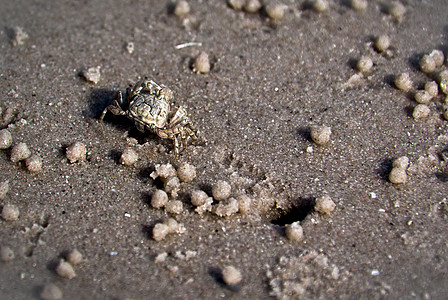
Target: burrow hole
{"points": [[298, 211]]}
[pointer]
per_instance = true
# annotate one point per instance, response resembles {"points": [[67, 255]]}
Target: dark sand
{"points": [[268, 84]]}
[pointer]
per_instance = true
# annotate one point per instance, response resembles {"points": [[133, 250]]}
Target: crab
{"points": [[148, 105]]}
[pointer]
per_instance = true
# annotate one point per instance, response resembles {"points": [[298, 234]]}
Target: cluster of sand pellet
{"points": [[398, 173], [220, 202], [10, 212], [431, 64], [172, 180], [65, 267], [303, 276], [170, 226], [273, 10], [221, 193], [324, 205], [20, 152]]}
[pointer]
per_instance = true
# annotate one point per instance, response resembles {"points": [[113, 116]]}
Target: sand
{"points": [[269, 83]]}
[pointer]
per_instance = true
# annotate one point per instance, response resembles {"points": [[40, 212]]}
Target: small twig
{"points": [[190, 44]]}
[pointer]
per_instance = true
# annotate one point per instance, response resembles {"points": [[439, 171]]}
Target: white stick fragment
{"points": [[189, 44]]}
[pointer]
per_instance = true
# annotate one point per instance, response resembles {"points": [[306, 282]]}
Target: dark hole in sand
{"points": [[443, 177], [384, 169], [298, 212]]}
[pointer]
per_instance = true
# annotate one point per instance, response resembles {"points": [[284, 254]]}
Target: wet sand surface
{"points": [[269, 83]]}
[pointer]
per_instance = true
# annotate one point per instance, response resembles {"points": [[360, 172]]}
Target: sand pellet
{"points": [[8, 115], [324, 205], [443, 75], [227, 207], [4, 189], [231, 275], [252, 6], [6, 254], [320, 6], [427, 64], [422, 97], [74, 257], [275, 11], [174, 207], [76, 152], [397, 10], [221, 190], [51, 292], [398, 176], [202, 63], [19, 36], [359, 5], [202, 201], [129, 157], [160, 231], [294, 232], [421, 111], [364, 64], [403, 82], [5, 139], [159, 199], [438, 57], [182, 8], [402, 162], [172, 224], [92, 74], [320, 134], [10, 212], [65, 269], [164, 171], [382, 43], [206, 207], [236, 4], [199, 197], [244, 203], [161, 257], [432, 88], [34, 163], [172, 185], [20, 152], [186, 172], [443, 80]]}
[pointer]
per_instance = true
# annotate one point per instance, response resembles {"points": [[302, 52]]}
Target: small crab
{"points": [[148, 105]]}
